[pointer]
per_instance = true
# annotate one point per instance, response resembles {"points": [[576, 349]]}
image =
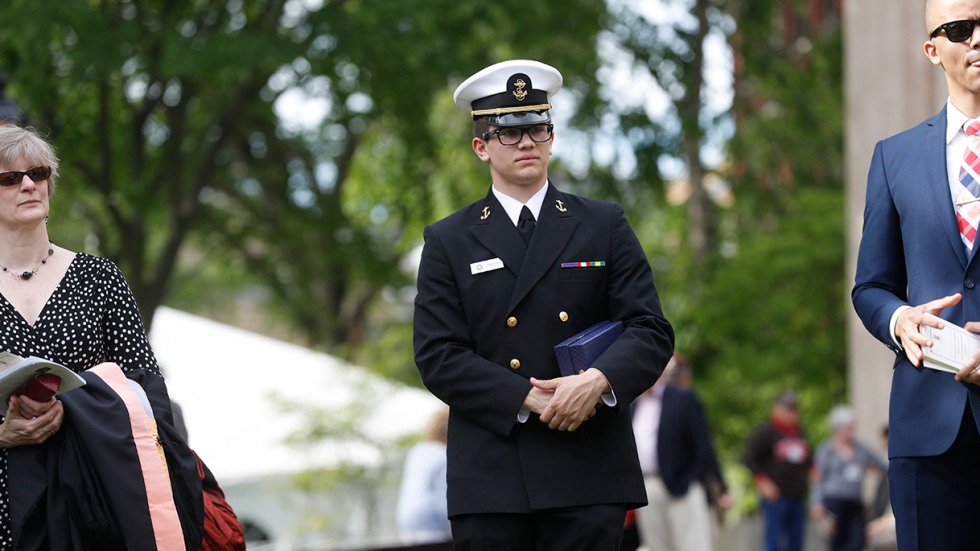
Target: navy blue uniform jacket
{"points": [[481, 334]]}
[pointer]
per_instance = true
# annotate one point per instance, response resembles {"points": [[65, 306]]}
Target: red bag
{"points": [[222, 531]]}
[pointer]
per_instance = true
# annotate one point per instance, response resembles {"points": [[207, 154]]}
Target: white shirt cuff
{"points": [[894, 321], [609, 398], [523, 415]]}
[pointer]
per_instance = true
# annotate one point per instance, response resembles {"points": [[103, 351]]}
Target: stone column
{"points": [[889, 86]]}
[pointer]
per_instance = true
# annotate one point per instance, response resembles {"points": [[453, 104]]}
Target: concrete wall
{"points": [[889, 86]]}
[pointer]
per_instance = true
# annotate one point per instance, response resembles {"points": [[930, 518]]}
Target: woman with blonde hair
{"points": [[77, 310]]}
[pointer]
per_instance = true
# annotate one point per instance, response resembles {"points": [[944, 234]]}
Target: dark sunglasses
{"points": [[957, 31], [35, 173]]}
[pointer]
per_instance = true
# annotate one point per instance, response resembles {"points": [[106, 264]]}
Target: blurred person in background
{"points": [[778, 456], [881, 527], [421, 514], [840, 465], [676, 455]]}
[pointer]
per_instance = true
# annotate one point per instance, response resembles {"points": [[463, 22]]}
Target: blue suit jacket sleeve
{"points": [[881, 281]]}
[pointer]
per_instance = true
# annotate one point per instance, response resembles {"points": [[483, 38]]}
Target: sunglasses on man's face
{"points": [[14, 177], [957, 31]]}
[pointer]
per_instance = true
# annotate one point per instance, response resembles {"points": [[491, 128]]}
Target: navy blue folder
{"points": [[576, 353]]}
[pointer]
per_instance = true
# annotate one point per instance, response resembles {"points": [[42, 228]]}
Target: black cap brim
{"points": [[525, 118]]}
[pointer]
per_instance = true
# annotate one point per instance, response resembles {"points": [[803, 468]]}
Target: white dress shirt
{"points": [[955, 147]]}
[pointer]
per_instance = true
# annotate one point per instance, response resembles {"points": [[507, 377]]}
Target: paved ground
{"points": [[747, 536]]}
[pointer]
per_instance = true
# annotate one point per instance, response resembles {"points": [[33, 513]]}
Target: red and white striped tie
{"points": [[968, 199]]}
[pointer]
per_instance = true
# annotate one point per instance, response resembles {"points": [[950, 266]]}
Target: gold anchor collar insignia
{"points": [[486, 213], [560, 205]]}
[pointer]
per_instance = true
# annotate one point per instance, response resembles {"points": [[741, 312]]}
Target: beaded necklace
{"points": [[27, 275]]}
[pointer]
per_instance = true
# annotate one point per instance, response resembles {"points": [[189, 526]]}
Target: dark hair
{"points": [[480, 127]]}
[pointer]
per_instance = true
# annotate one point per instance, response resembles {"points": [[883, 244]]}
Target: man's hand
{"points": [[537, 400], [574, 398], [971, 371], [908, 323]]}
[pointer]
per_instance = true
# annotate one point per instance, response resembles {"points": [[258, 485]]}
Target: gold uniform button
{"points": [[515, 364], [512, 322], [563, 316]]}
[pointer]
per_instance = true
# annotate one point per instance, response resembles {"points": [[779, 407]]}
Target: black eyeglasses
{"points": [[957, 31], [512, 135], [35, 173]]}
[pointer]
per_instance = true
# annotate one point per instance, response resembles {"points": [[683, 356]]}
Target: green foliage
{"points": [[176, 166], [766, 310], [148, 104], [787, 172], [772, 319], [788, 104]]}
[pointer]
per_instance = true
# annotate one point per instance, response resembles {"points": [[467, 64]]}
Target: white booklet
{"points": [[16, 371], [952, 347]]}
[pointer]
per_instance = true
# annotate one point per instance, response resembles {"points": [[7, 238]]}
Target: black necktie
{"points": [[525, 224]]}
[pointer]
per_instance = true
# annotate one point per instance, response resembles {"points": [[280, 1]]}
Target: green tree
{"points": [[753, 283], [773, 314], [176, 166]]}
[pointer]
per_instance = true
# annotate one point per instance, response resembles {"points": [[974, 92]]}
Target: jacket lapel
{"points": [[934, 160], [495, 231], [555, 226]]}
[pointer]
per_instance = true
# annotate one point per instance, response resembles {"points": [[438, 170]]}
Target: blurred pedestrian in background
{"points": [[881, 527], [674, 445], [839, 471], [421, 514], [778, 455]]}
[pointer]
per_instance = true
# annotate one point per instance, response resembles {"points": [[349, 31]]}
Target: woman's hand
{"points": [[30, 422]]}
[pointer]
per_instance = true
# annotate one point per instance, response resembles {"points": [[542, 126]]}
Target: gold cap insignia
{"points": [[519, 92]]}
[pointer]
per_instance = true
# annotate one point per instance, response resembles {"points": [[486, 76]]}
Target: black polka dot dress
{"points": [[90, 318]]}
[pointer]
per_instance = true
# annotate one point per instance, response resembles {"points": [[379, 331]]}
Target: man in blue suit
{"points": [[916, 267]]}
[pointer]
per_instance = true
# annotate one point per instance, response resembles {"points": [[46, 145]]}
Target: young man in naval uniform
{"points": [[535, 460]]}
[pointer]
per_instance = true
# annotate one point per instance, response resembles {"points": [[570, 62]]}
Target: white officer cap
{"points": [[510, 93]]}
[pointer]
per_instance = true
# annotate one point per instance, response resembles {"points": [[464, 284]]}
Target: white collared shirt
{"points": [[513, 207], [646, 427], [955, 147]]}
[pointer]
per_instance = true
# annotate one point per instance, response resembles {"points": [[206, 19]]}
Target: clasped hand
{"points": [[907, 331], [30, 422], [567, 402]]}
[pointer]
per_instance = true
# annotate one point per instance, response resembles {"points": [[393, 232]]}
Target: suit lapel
{"points": [[494, 229], [555, 226], [934, 156]]}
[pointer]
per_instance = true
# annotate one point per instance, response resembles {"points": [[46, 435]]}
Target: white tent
{"points": [[227, 382]]}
